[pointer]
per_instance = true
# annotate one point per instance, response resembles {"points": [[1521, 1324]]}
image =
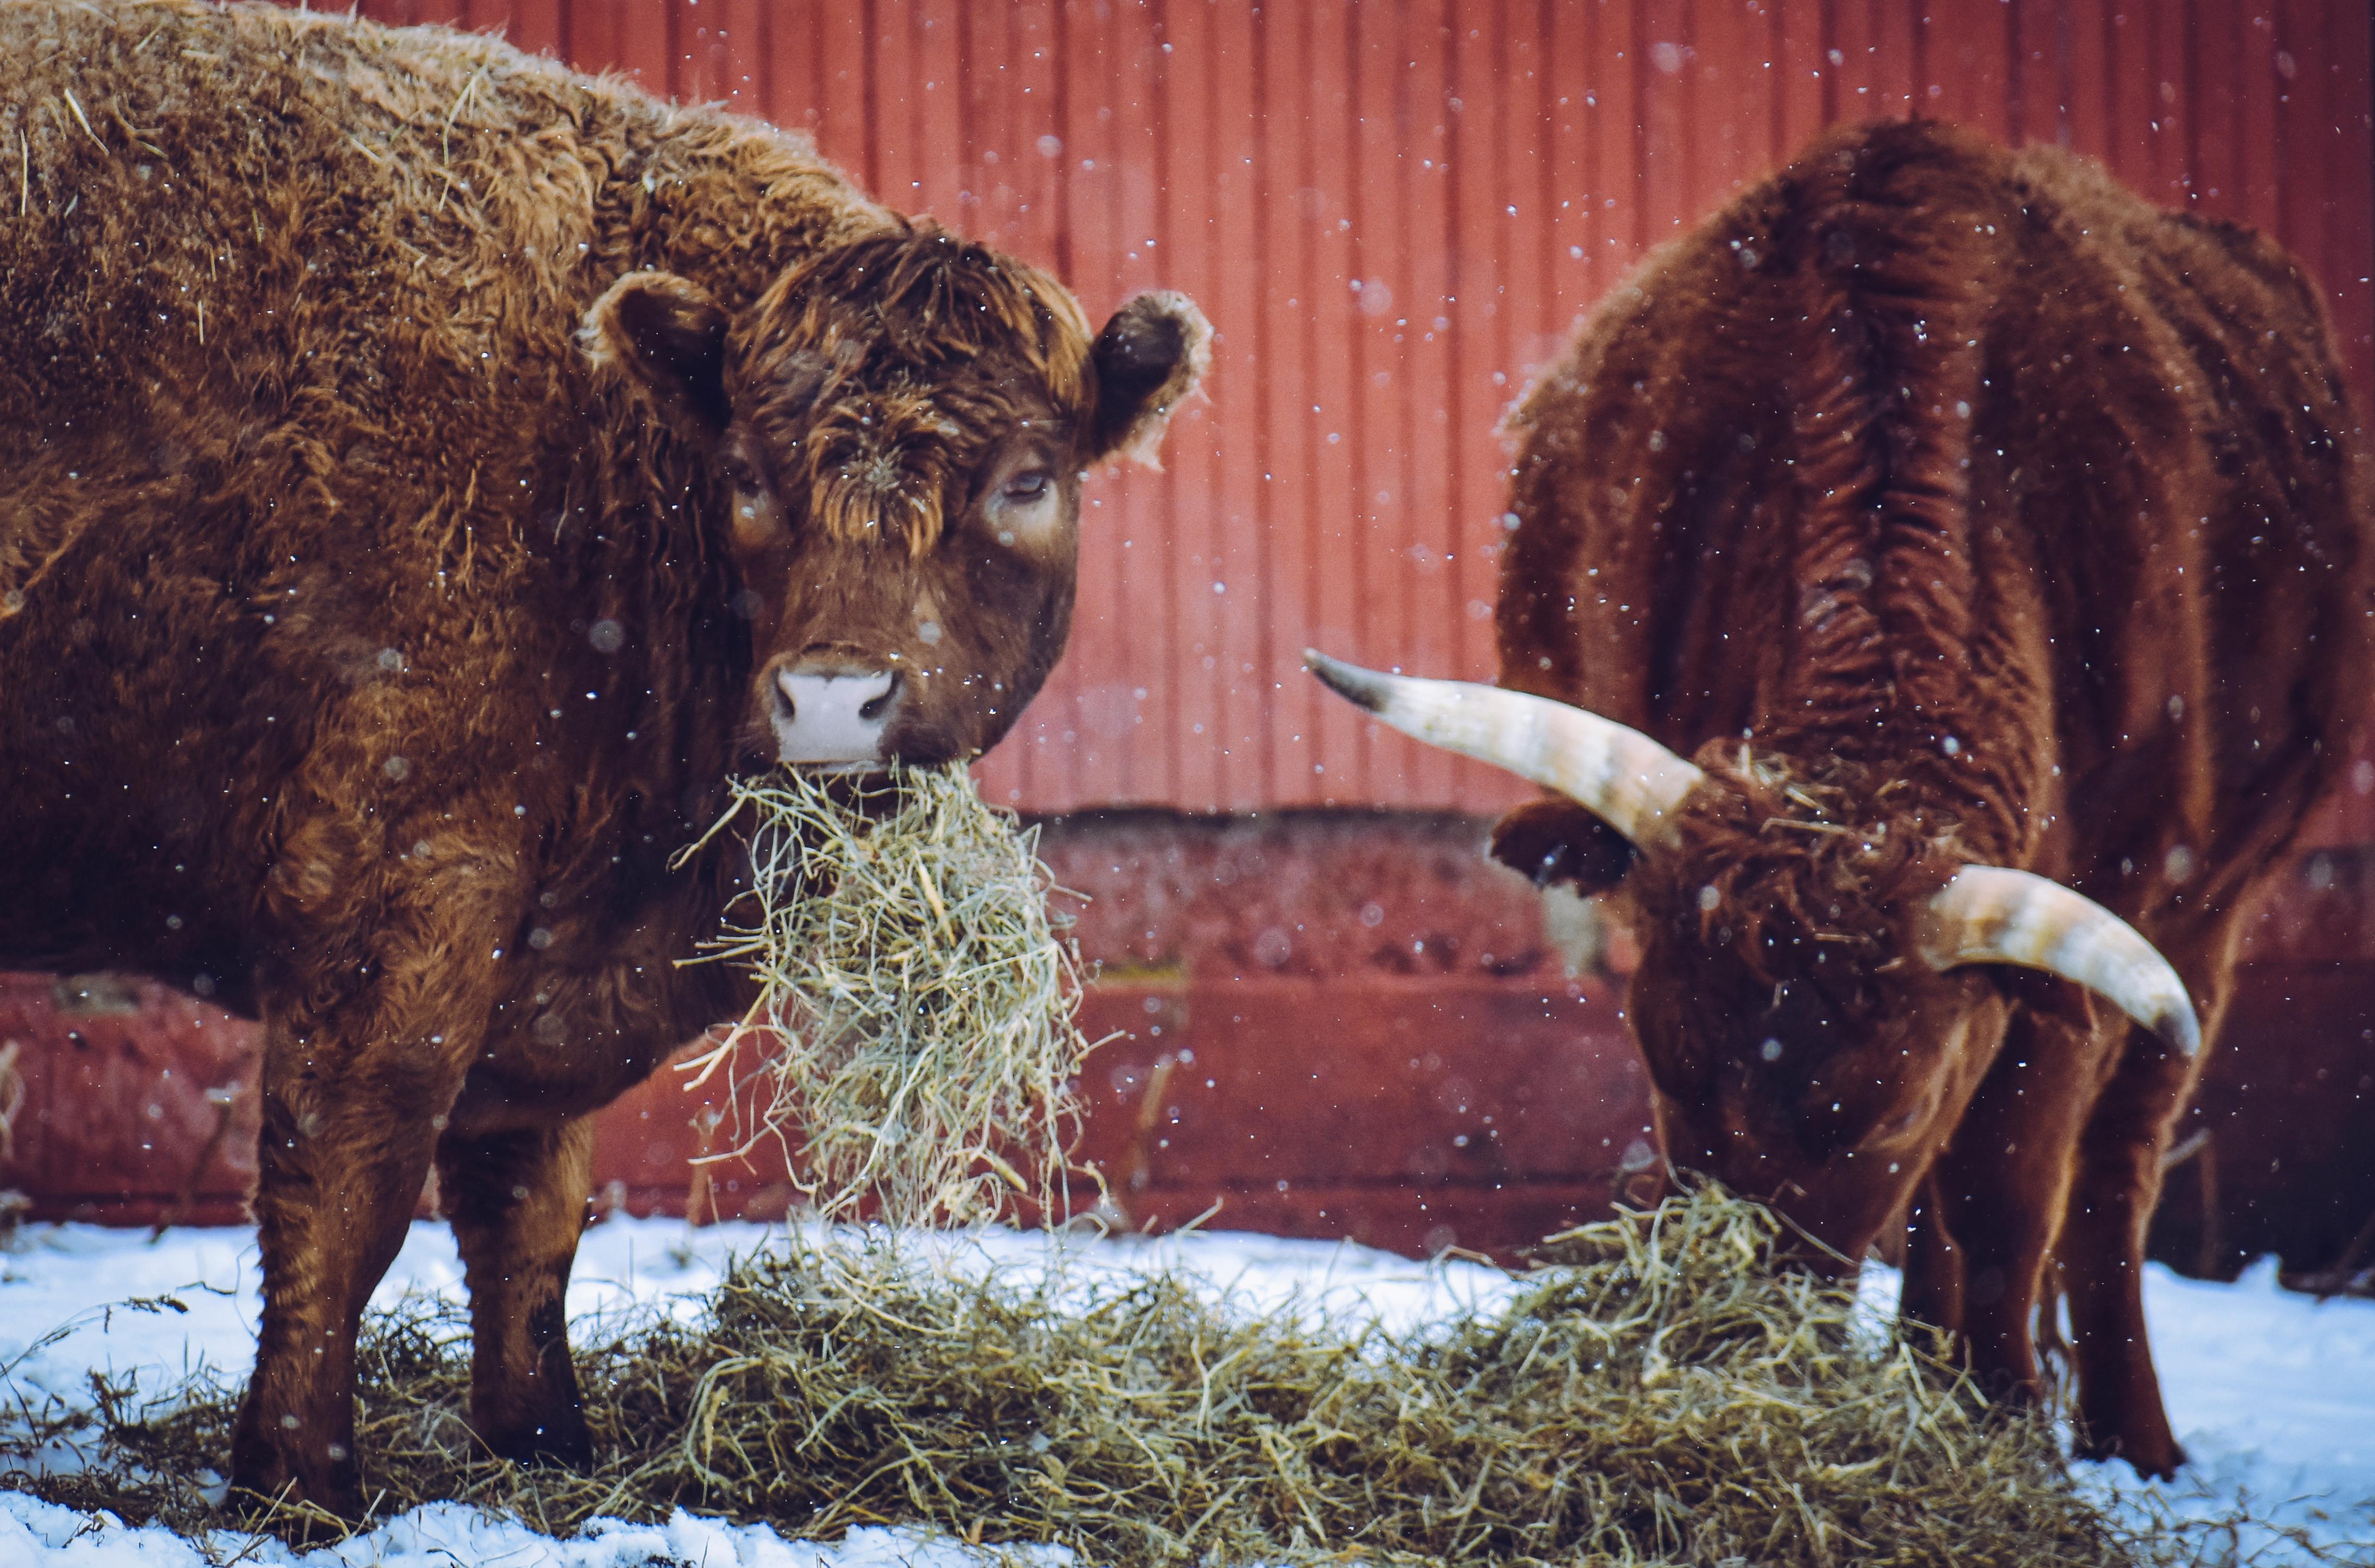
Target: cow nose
{"points": [[827, 717]]}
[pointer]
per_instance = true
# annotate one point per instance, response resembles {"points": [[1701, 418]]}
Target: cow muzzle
{"points": [[833, 714]]}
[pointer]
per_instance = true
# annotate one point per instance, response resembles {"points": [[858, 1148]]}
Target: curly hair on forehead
{"points": [[866, 334], [1791, 852]]}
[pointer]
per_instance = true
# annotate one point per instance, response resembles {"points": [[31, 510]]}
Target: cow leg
{"points": [[517, 1202], [2119, 1409], [344, 1154], [2002, 1186], [1933, 1266], [2102, 1253]]}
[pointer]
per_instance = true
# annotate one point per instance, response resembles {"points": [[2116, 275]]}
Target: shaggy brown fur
{"points": [[1951, 506], [369, 642]]}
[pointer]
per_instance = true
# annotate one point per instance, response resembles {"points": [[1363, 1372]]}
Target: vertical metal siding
{"points": [[1393, 211]]}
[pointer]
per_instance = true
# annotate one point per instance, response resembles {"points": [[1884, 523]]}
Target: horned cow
{"points": [[429, 475], [1939, 572]]}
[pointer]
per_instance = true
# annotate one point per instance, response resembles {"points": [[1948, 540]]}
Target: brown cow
{"points": [[430, 474], [1996, 546]]}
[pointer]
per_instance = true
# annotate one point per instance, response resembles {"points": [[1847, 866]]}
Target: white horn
{"points": [[1994, 915], [1619, 775]]}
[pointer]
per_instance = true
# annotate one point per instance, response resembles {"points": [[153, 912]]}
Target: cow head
{"points": [[895, 433], [1817, 996]]}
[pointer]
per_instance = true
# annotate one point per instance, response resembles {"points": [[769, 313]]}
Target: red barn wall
{"points": [[1393, 213]]}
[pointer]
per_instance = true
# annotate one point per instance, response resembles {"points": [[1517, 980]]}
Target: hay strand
{"points": [[918, 1000]]}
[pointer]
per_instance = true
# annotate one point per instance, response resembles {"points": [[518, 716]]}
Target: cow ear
{"points": [[1553, 840], [1148, 358], [668, 335]]}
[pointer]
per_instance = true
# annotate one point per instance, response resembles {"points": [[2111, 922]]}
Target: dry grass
{"points": [[915, 1033], [1658, 1394]]}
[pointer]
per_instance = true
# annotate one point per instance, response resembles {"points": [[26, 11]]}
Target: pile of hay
{"points": [[914, 1043], [1656, 1396]]}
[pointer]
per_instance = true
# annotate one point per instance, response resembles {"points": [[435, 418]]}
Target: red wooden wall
{"points": [[1393, 212]]}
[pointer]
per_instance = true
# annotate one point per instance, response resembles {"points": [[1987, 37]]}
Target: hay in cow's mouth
{"points": [[1658, 1394], [914, 1037]]}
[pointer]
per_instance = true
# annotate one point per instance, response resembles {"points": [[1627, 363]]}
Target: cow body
{"points": [[425, 476], [1947, 507]]}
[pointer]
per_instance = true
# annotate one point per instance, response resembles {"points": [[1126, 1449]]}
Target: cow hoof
{"points": [[294, 1512], [563, 1440], [276, 1489], [2152, 1460]]}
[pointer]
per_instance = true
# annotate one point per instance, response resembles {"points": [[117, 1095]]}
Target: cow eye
{"points": [[1025, 488]]}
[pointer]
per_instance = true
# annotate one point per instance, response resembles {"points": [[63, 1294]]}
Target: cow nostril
{"points": [[875, 707]]}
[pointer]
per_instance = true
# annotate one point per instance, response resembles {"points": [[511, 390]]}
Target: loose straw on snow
{"points": [[918, 1000], [1661, 1395]]}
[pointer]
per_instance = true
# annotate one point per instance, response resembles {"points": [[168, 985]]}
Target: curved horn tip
{"points": [[2177, 1028], [1352, 683]]}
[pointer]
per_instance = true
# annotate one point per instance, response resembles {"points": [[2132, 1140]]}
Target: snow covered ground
{"points": [[2274, 1395]]}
